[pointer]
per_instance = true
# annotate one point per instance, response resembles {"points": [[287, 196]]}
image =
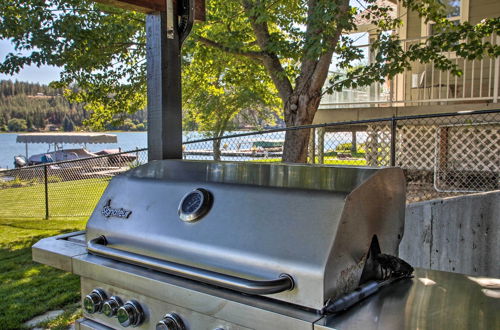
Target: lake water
{"points": [[9, 148], [126, 141], [132, 140]]}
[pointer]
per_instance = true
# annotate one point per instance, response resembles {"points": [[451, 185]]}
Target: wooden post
{"points": [[354, 143], [163, 70], [164, 85], [443, 148]]}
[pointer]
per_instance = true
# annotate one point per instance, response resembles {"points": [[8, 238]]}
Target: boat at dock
{"points": [[252, 149], [57, 153]]}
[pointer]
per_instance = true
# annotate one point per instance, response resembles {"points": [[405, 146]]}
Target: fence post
{"points": [[46, 181], [393, 140], [312, 146], [321, 145]]}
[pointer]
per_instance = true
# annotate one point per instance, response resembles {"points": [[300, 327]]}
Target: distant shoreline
{"points": [[118, 131], [27, 132]]}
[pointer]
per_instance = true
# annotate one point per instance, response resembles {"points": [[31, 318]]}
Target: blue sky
{"points": [[46, 74], [43, 74]]}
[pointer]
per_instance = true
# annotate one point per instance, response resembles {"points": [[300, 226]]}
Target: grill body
{"points": [[315, 224], [251, 246]]}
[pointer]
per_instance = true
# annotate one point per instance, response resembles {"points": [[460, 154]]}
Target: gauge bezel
{"points": [[201, 209]]}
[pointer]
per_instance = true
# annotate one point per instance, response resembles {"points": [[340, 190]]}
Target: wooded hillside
{"points": [[34, 107]]}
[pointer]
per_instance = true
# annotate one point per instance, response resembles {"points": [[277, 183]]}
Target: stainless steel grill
{"points": [[209, 245]]}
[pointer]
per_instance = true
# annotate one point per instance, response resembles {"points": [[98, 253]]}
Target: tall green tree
{"points": [[102, 49], [68, 125], [295, 42], [216, 91]]}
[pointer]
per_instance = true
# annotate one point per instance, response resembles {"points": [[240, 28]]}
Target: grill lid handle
{"points": [[285, 282]]}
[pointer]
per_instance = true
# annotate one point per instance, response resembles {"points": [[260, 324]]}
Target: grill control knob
{"points": [[130, 314], [92, 303], [111, 306], [171, 322]]}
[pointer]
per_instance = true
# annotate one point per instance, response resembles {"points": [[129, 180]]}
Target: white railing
{"points": [[425, 85]]}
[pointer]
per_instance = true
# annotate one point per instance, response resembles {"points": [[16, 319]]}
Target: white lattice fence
{"points": [[378, 145], [468, 158], [415, 147]]}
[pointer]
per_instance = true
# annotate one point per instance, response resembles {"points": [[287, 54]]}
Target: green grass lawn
{"points": [[328, 161], [66, 199], [29, 289]]}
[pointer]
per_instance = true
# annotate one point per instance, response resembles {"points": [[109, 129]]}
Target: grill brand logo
{"points": [[108, 211]]}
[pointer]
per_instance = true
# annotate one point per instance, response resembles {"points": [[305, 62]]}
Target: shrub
{"points": [[16, 125], [128, 125], [346, 147], [17, 183]]}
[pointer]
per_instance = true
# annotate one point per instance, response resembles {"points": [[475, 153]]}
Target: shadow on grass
{"points": [[29, 289]]}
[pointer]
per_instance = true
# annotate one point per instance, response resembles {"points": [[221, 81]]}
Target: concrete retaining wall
{"points": [[459, 234]]}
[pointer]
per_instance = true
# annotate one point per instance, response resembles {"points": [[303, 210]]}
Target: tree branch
{"points": [[271, 61], [318, 70], [128, 44], [230, 50]]}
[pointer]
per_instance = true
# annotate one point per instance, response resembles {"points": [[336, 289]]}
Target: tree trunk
{"points": [[300, 109], [216, 149], [295, 149]]}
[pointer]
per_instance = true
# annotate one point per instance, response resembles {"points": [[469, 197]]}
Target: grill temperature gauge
{"points": [[195, 204]]}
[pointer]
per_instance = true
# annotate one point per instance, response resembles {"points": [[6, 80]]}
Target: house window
{"points": [[457, 11], [453, 8]]}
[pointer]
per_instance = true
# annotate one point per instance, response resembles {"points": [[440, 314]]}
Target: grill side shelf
{"points": [[58, 251], [285, 282]]}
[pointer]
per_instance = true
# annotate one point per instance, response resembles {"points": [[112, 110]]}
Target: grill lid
{"points": [[253, 222]]}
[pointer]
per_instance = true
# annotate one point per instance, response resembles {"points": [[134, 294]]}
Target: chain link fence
{"points": [[63, 189], [442, 155]]}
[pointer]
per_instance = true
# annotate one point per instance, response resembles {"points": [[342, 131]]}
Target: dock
{"points": [[236, 153]]}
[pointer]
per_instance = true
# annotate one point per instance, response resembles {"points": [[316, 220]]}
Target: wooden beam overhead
{"points": [[199, 10], [148, 6], [145, 6]]}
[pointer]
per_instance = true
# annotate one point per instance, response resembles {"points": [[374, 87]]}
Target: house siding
{"points": [[480, 9], [477, 75]]}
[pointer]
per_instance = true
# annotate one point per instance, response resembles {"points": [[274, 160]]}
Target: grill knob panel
{"points": [[130, 314], [111, 306], [171, 322], [92, 303]]}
